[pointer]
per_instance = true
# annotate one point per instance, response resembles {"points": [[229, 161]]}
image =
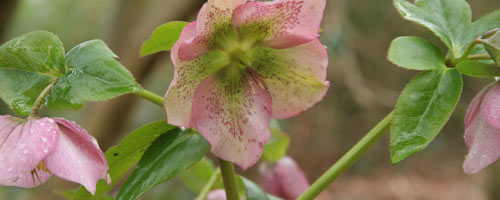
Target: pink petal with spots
{"points": [[77, 156], [219, 194], [292, 178], [295, 77], [475, 105], [287, 23], [23, 145], [28, 180], [234, 117], [491, 105], [484, 145], [214, 15], [187, 76]]}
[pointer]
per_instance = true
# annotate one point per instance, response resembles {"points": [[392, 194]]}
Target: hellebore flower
{"points": [[31, 151], [482, 129], [241, 64], [285, 179], [219, 194]]}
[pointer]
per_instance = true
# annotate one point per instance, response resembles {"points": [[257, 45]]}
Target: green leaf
{"points": [[277, 146], [163, 38], [478, 69], [33, 62], [198, 175], [169, 155], [28, 64], [422, 110], [415, 53], [491, 42], [253, 191], [92, 74], [126, 154]]}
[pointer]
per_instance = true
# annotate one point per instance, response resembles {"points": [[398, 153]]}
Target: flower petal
{"points": [[28, 180], [474, 105], [285, 23], [23, 145], [485, 146], [295, 76], [491, 105], [219, 194], [234, 116], [269, 181], [77, 156], [213, 16], [291, 177], [187, 76]]}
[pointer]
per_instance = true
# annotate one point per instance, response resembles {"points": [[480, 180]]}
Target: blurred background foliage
{"points": [[364, 88]]}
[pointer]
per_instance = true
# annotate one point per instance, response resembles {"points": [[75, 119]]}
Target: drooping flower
{"points": [[482, 129], [32, 150], [241, 64], [284, 179]]}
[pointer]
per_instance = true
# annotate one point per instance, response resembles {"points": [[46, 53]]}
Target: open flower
{"points": [[284, 179], [482, 129], [241, 64], [31, 151]]}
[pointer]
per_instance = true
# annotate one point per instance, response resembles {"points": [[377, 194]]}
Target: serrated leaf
{"points": [[415, 53], [125, 155], [169, 155], [478, 69], [276, 146], [163, 38], [198, 175], [422, 110]]}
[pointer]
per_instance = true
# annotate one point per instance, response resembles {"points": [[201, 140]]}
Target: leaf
{"points": [[253, 191], [478, 69], [277, 146], [491, 42], [125, 155], [163, 38], [198, 175], [92, 74], [169, 155], [35, 61], [415, 53], [422, 110]]}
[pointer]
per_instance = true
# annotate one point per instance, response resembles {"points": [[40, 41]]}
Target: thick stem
{"points": [[39, 100], [208, 185], [152, 97], [229, 179], [348, 159]]}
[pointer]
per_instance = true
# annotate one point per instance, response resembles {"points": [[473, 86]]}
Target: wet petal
{"points": [[234, 116], [474, 105], [285, 23], [77, 156], [484, 148], [295, 77], [28, 180], [187, 77], [491, 105], [219, 194], [291, 177], [214, 16], [23, 145]]}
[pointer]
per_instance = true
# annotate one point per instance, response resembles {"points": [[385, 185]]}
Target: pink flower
{"points": [[285, 179], [219, 194], [241, 64], [31, 151], [482, 129]]}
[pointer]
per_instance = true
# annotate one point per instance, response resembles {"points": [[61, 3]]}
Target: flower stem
{"points": [[479, 57], [468, 51], [229, 179], [152, 97], [39, 100], [208, 185], [347, 159]]}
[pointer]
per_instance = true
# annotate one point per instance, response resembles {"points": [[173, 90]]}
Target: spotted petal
{"points": [[281, 23], [213, 18], [77, 156], [187, 77], [295, 77], [23, 145], [483, 143], [234, 116]]}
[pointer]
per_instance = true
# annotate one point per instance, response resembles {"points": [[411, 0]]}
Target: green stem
{"points": [[208, 185], [467, 51], [479, 57], [39, 100], [229, 179], [152, 97], [348, 159]]}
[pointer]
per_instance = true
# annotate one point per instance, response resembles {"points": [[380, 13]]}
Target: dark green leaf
{"points": [[163, 38], [415, 53], [169, 155], [198, 175], [277, 146], [422, 110], [478, 69], [126, 154]]}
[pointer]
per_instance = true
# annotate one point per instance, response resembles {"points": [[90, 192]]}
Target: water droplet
{"points": [[51, 121], [25, 151], [10, 169], [79, 162], [44, 139], [45, 151], [483, 156]]}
